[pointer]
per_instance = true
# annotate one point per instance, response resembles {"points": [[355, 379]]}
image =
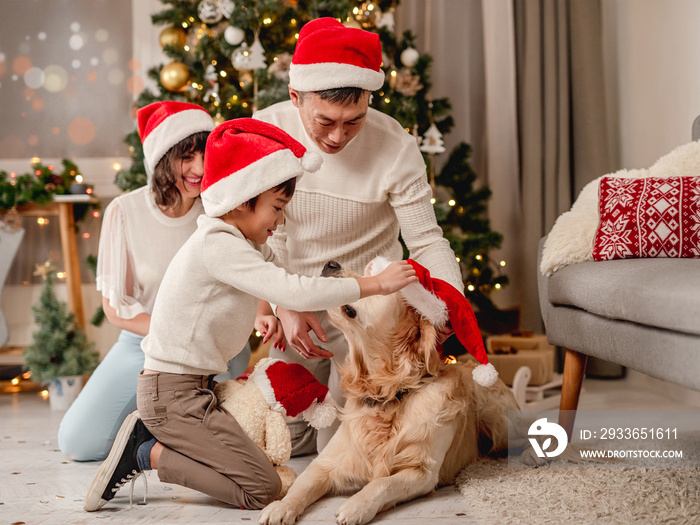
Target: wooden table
{"points": [[62, 206]]}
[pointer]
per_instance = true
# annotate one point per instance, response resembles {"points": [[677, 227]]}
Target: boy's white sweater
{"points": [[206, 305]]}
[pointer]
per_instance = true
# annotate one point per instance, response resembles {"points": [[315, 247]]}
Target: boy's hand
{"points": [[271, 328], [397, 275]]}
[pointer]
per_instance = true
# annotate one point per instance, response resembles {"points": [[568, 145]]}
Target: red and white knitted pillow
{"points": [[649, 217]]}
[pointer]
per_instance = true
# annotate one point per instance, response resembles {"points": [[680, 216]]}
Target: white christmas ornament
{"points": [[409, 57], [257, 55], [226, 7], [241, 58], [234, 35], [387, 20], [208, 11], [432, 141]]}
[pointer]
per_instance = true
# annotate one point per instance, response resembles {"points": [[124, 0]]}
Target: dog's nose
{"points": [[331, 268]]}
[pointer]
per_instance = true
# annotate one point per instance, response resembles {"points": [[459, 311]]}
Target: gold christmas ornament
{"points": [[174, 76], [367, 14], [172, 36]]}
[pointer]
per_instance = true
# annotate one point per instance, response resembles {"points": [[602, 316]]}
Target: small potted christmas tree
{"points": [[60, 354]]}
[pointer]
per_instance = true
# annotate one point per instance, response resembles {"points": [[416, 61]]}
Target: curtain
{"points": [[562, 122]]}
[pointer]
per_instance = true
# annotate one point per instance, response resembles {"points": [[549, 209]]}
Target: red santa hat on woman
{"points": [[291, 389], [329, 55], [164, 124], [440, 302], [246, 157]]}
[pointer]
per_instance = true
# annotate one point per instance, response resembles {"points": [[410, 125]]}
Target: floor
{"points": [[39, 486]]}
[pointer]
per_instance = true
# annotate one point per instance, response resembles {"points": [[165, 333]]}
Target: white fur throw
{"points": [[571, 238]]}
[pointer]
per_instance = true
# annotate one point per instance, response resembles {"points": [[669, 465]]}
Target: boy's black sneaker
{"points": [[120, 466]]}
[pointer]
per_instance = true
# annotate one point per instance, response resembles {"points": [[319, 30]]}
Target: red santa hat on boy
{"points": [[164, 124], [329, 55], [440, 302], [291, 389], [246, 157]]}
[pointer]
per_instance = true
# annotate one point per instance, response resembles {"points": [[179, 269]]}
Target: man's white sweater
{"points": [[206, 305], [353, 208]]}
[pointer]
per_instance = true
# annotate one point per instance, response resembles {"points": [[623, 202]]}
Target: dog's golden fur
{"points": [[410, 422]]}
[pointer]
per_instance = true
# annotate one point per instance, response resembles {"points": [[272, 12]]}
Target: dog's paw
{"points": [[277, 513], [531, 459], [353, 513]]}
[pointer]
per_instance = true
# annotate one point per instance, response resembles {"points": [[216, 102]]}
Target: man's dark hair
{"points": [[169, 168], [345, 96], [287, 189]]}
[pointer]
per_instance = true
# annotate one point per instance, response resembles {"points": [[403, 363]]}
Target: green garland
{"points": [[39, 187]]}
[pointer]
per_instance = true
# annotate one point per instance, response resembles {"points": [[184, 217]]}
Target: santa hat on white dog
{"points": [[291, 389], [164, 124], [246, 157], [440, 302], [329, 55]]}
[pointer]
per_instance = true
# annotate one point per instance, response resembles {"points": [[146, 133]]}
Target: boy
{"points": [[204, 313]]}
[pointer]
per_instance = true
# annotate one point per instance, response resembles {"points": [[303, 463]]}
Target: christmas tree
{"points": [[60, 347], [233, 56]]}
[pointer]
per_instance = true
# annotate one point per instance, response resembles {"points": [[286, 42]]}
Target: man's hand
{"points": [[444, 333], [297, 326]]}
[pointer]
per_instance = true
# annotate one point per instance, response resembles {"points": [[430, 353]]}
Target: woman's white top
{"points": [[137, 243]]}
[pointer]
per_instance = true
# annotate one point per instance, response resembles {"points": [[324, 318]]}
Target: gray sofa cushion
{"points": [[662, 293]]}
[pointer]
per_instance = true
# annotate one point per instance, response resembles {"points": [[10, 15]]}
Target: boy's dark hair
{"points": [[169, 168], [287, 189], [344, 96]]}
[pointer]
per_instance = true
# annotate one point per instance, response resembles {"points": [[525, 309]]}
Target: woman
{"points": [[141, 232]]}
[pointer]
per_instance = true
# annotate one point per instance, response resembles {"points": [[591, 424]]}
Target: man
{"points": [[371, 186]]}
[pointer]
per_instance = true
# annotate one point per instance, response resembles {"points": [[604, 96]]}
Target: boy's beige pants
{"points": [[205, 448]]}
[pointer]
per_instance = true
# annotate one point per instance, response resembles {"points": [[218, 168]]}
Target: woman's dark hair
{"points": [[344, 96], [287, 189], [169, 169]]}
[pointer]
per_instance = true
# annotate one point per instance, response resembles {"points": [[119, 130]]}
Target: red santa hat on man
{"points": [[329, 55], [291, 389], [440, 302], [246, 157], [164, 124]]}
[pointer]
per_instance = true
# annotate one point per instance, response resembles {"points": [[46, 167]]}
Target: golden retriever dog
{"points": [[410, 422]]}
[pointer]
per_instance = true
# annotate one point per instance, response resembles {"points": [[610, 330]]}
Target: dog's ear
{"points": [[416, 338]]}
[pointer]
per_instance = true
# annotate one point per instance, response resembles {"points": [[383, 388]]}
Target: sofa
{"points": [[642, 313]]}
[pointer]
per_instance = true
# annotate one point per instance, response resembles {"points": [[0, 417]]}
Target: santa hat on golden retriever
{"points": [[440, 302]]}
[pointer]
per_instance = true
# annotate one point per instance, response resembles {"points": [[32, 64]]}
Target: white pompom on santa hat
{"points": [[245, 157], [439, 302], [164, 124], [291, 389], [329, 55]]}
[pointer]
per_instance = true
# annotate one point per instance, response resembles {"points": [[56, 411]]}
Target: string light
{"points": [[15, 381], [470, 287], [96, 214], [35, 160], [44, 394], [86, 235], [478, 257], [432, 201], [78, 179], [41, 221], [451, 202], [116, 166], [61, 275], [267, 21], [502, 263]]}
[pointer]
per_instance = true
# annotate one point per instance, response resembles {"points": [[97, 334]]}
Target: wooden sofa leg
{"points": [[574, 368]]}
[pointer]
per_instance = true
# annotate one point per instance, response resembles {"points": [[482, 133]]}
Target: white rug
{"points": [[498, 493]]}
